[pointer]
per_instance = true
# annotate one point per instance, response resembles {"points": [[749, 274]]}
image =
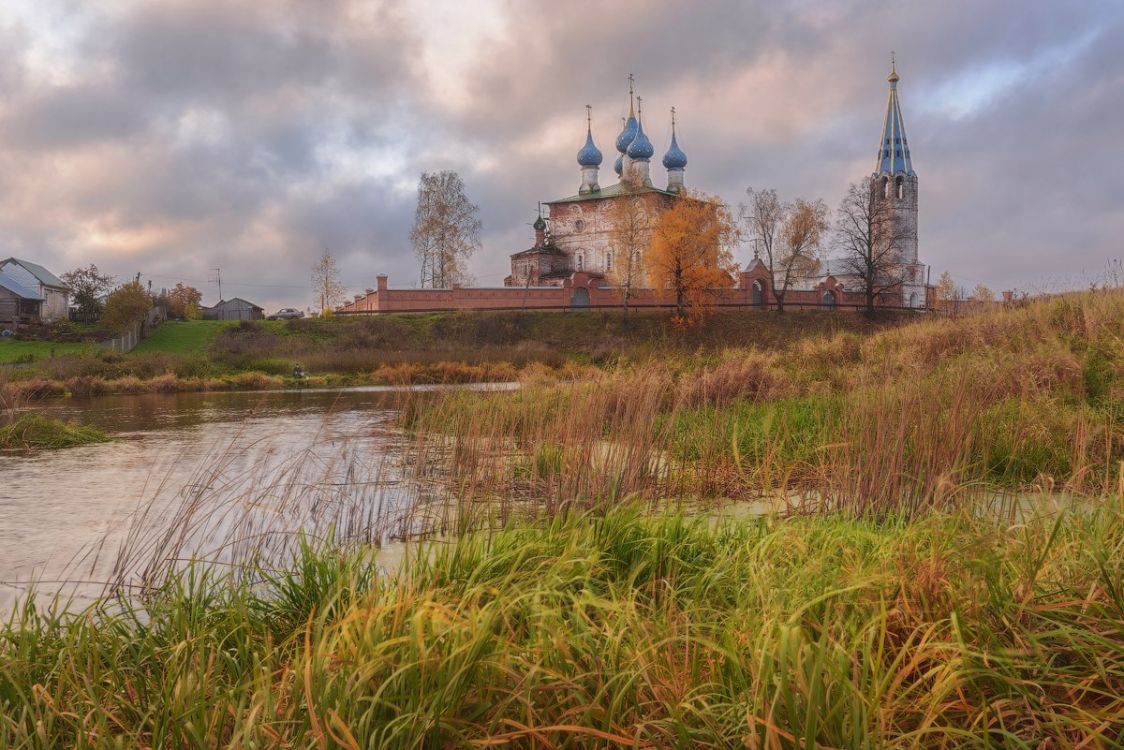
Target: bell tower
{"points": [[893, 188]]}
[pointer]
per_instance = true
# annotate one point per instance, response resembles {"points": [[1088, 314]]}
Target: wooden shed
{"points": [[234, 308]]}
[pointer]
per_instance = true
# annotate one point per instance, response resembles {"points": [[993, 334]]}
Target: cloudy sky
{"points": [[171, 137]]}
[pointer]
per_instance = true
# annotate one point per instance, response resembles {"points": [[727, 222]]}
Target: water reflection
{"points": [[207, 474]]}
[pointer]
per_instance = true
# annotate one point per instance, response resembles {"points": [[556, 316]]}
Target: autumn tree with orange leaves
{"points": [[691, 255], [184, 301]]}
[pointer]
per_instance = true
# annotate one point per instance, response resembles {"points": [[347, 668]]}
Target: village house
{"points": [[18, 303], [30, 286], [234, 308]]}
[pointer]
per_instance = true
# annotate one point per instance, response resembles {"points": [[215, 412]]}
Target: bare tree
{"points": [[869, 239], [629, 238], [982, 293], [789, 234], [326, 283], [946, 298], [446, 229]]}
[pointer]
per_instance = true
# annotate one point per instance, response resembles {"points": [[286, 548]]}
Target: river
{"points": [[209, 475]]}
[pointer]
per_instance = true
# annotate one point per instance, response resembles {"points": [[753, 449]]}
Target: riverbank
{"points": [[887, 607], [400, 349], [619, 631]]}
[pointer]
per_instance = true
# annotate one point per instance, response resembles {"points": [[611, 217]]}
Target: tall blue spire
{"points": [[893, 149]]}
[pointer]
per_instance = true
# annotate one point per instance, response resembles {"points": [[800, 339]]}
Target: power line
{"points": [[228, 282]]}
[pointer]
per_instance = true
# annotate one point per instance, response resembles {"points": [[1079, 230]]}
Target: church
{"points": [[576, 234], [570, 265]]}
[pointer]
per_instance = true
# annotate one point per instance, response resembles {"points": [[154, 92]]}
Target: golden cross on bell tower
{"points": [[589, 116], [673, 118], [631, 82]]}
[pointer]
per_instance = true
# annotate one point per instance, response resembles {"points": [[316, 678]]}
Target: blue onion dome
{"points": [[641, 147], [619, 166], [590, 155], [626, 136], [674, 158]]}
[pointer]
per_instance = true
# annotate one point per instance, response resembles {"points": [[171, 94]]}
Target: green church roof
{"points": [[610, 192]]}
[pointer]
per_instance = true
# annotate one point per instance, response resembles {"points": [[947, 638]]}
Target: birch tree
{"points": [[326, 283], [629, 238], [446, 230]]}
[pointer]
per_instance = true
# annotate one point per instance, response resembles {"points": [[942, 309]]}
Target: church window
{"points": [[579, 225], [829, 299], [579, 261], [885, 187], [901, 187]]}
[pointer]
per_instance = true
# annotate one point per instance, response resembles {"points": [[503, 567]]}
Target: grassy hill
{"points": [[193, 337], [484, 346]]}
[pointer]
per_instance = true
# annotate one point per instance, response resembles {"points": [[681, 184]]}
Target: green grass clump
{"points": [[958, 630], [36, 431]]}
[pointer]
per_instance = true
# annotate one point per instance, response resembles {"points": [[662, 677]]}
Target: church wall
{"points": [[535, 265], [584, 228]]}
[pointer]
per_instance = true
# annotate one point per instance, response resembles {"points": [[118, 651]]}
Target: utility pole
{"points": [[216, 278]]}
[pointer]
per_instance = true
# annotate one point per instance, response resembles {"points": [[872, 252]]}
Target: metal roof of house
{"points": [[610, 192], [46, 278], [18, 289], [232, 300]]}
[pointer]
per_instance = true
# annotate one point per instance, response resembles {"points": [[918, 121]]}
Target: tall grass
{"points": [[959, 630], [908, 419], [34, 431]]}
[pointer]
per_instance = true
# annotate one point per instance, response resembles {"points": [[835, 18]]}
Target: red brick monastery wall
{"points": [[584, 290]]}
